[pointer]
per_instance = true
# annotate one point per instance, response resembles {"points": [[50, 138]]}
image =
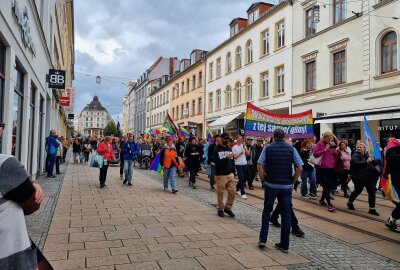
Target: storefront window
{"points": [[31, 128], [388, 129], [17, 112], [40, 137], [2, 81], [348, 131]]}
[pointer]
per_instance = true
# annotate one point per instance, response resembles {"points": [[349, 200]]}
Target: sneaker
{"points": [[190, 184], [165, 189], [102, 186], [322, 203], [221, 213], [350, 206], [331, 197], [275, 222], [238, 193], [305, 197], [124, 182], [262, 244], [194, 186], [331, 208], [174, 190], [229, 212], [278, 246], [391, 225], [58, 173], [297, 232], [244, 197], [313, 196], [121, 176], [212, 188], [129, 184], [373, 212]]}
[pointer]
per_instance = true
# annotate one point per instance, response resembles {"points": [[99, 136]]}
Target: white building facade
{"points": [[347, 65], [158, 103], [30, 44], [253, 65]]}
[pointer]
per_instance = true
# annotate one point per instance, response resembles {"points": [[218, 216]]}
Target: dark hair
{"points": [[304, 143]]}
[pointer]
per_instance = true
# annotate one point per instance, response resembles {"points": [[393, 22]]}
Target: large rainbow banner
{"points": [[261, 123]]}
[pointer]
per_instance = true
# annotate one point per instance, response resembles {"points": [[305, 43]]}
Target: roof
{"points": [[95, 105]]}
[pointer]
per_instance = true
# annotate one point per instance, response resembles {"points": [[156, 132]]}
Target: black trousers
{"points": [[342, 177], [212, 176], [328, 180], [103, 174], [359, 185], [192, 175], [121, 164], [58, 159], [251, 172], [294, 223], [65, 150]]}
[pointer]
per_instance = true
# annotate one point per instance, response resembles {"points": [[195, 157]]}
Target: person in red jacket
{"points": [[106, 150]]}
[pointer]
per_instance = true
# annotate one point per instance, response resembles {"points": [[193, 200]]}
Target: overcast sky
{"points": [[120, 39]]}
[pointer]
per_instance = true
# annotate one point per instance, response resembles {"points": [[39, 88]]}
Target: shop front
{"points": [[388, 129], [232, 124]]}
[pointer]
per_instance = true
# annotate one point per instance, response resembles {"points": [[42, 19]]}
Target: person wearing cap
{"points": [[224, 176], [275, 169], [363, 174], [239, 152], [210, 160], [193, 154]]}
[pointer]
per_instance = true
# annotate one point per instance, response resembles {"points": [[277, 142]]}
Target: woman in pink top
{"points": [[345, 157], [327, 175]]}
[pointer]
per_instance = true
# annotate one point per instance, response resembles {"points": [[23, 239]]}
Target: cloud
{"points": [[120, 39]]}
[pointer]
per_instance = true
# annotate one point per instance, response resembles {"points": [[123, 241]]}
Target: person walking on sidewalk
{"points": [[239, 153], [52, 148], [193, 153], [121, 157], [59, 156], [105, 149], [86, 150], [169, 162], [76, 150], [277, 159], [130, 151], [65, 145], [224, 176], [210, 159], [308, 172]]}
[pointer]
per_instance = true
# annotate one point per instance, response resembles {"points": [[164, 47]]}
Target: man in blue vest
{"points": [[277, 159], [52, 147], [129, 151]]}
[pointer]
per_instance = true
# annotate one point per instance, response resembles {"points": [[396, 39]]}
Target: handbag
{"points": [[100, 160], [315, 160]]}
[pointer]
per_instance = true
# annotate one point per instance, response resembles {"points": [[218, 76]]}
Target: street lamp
{"points": [[98, 79]]}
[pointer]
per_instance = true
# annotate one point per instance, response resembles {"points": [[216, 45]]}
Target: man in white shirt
{"points": [[239, 153]]}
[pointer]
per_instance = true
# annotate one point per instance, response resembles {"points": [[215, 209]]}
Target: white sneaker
{"points": [[238, 193], [244, 197]]}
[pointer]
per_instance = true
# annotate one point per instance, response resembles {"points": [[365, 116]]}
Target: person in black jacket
{"points": [[363, 174], [224, 176], [193, 154], [210, 160]]}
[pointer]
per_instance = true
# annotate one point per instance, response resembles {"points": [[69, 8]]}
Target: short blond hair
{"points": [[107, 138]]}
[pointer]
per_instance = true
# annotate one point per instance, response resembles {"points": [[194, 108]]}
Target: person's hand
{"points": [[230, 156], [38, 193], [370, 159], [327, 146]]}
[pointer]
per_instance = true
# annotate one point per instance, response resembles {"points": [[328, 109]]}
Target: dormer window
{"points": [[193, 58], [234, 29], [253, 16], [182, 66]]}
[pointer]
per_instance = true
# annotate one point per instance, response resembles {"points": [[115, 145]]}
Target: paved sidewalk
{"points": [[143, 227]]}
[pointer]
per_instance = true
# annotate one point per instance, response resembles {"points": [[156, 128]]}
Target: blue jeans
{"points": [[241, 173], [285, 200], [52, 162], [128, 169], [171, 173], [310, 174]]}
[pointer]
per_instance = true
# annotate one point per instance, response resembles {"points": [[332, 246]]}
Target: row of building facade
{"points": [[339, 58], [35, 36]]}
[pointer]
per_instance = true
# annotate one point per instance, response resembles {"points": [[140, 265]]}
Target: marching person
{"points": [[180, 148], [250, 169], [239, 152], [258, 147], [308, 172], [169, 162], [345, 157], [86, 150], [277, 159], [121, 157], [130, 151], [105, 149], [224, 176], [210, 159], [193, 154], [52, 148], [76, 149]]}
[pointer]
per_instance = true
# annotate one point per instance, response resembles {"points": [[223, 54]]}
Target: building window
{"points": [[194, 82], [31, 127], [200, 78], [187, 109], [249, 51], [238, 93], [280, 30], [210, 71], [173, 112], [167, 96], [265, 43], [218, 99], [310, 76], [193, 107], [339, 9], [182, 110], [264, 84], [249, 89], [17, 112], [310, 24], [339, 67], [177, 112], [187, 85], [193, 58], [238, 57], [228, 62], [210, 102], [280, 80], [2, 79], [389, 52], [200, 106], [219, 68], [183, 88]]}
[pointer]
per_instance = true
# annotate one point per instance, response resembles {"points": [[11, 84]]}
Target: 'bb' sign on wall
{"points": [[56, 79]]}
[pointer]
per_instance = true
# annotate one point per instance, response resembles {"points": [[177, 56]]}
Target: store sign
{"points": [[388, 128], [23, 22], [71, 116], [56, 79], [64, 101], [192, 128]]}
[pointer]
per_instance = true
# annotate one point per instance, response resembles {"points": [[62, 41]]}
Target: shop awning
{"points": [[357, 118], [223, 121]]}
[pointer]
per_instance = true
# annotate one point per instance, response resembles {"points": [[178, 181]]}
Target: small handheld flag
{"points": [[370, 141]]}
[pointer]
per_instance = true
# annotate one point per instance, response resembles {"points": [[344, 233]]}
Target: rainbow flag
{"points": [[155, 164], [370, 141], [386, 180], [209, 133], [184, 131]]}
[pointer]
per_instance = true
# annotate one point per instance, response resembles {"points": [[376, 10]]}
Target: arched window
{"points": [[238, 57], [389, 52], [228, 62], [238, 93], [228, 93], [249, 89], [249, 51]]}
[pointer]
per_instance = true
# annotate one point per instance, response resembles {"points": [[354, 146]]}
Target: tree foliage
{"points": [[110, 128]]}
